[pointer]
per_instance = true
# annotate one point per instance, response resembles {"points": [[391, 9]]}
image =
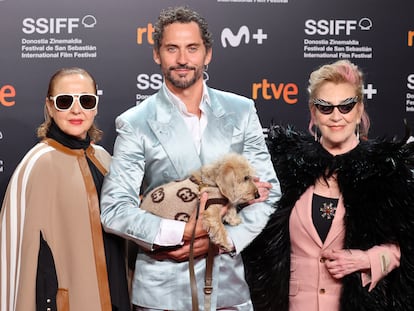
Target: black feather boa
{"points": [[378, 190]]}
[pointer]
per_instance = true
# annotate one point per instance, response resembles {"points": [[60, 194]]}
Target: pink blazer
{"points": [[311, 285]]}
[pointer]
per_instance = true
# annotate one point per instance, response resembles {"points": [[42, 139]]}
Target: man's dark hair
{"points": [[181, 14]]}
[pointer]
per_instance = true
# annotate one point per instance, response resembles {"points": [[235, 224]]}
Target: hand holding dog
{"points": [[343, 262], [201, 242], [182, 253], [263, 188]]}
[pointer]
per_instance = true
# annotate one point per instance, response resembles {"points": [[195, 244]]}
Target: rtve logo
{"points": [[7, 94], [145, 32], [56, 24], [411, 38], [336, 26], [227, 36], [269, 91]]}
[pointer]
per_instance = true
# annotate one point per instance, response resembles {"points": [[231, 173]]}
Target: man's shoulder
{"points": [[228, 96]]}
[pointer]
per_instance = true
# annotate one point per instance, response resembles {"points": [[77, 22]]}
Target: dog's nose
{"points": [[257, 195]]}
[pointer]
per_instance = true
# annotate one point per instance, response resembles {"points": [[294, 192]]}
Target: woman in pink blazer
{"points": [[341, 237]]}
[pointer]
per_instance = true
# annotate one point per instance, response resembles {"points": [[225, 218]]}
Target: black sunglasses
{"points": [[64, 102], [344, 107]]}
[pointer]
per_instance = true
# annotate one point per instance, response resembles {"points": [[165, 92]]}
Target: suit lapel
{"points": [[173, 134], [304, 214], [170, 128], [217, 137], [337, 228]]}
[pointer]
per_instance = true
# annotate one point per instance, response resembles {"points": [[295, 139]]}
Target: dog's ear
{"points": [[226, 180]]}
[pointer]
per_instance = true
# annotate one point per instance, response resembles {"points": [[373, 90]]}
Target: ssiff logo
{"points": [[146, 81], [336, 26], [7, 94], [410, 82], [56, 24]]}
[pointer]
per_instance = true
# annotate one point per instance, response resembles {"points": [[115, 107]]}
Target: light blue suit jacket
{"points": [[153, 147]]}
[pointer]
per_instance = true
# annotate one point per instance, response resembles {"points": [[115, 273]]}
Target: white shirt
{"points": [[171, 231]]}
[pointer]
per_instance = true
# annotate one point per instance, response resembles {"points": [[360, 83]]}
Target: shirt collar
{"points": [[205, 99]]}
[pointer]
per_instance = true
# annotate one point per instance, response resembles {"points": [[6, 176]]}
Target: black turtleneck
{"points": [[73, 142]]}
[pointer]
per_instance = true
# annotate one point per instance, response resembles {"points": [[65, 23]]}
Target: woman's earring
{"points": [[315, 133], [357, 131]]}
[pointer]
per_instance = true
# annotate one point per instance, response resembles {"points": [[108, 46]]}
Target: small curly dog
{"points": [[228, 181]]}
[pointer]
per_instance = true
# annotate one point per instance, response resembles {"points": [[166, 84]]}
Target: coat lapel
{"points": [[217, 137], [337, 230], [170, 128], [304, 214]]}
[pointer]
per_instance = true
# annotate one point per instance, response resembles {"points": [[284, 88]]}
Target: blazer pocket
{"points": [[293, 282], [293, 287], [237, 137], [237, 142], [293, 264]]}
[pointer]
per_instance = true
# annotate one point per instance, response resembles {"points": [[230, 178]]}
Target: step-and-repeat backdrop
{"points": [[263, 49]]}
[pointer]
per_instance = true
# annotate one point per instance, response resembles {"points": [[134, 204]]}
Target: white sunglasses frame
{"points": [[74, 97]]}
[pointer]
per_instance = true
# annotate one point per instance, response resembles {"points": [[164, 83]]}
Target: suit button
{"points": [[322, 291]]}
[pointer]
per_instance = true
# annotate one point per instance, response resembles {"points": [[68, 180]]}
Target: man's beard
{"points": [[183, 84]]}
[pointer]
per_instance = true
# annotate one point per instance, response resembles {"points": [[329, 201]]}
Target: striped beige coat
{"points": [[52, 192]]}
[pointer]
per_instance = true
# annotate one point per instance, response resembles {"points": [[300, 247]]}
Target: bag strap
{"points": [[193, 281], [208, 279]]}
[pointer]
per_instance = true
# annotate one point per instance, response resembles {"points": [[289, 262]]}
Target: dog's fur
{"points": [[231, 178]]}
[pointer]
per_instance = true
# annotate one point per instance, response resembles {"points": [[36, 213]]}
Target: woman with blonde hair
{"points": [[342, 234]]}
